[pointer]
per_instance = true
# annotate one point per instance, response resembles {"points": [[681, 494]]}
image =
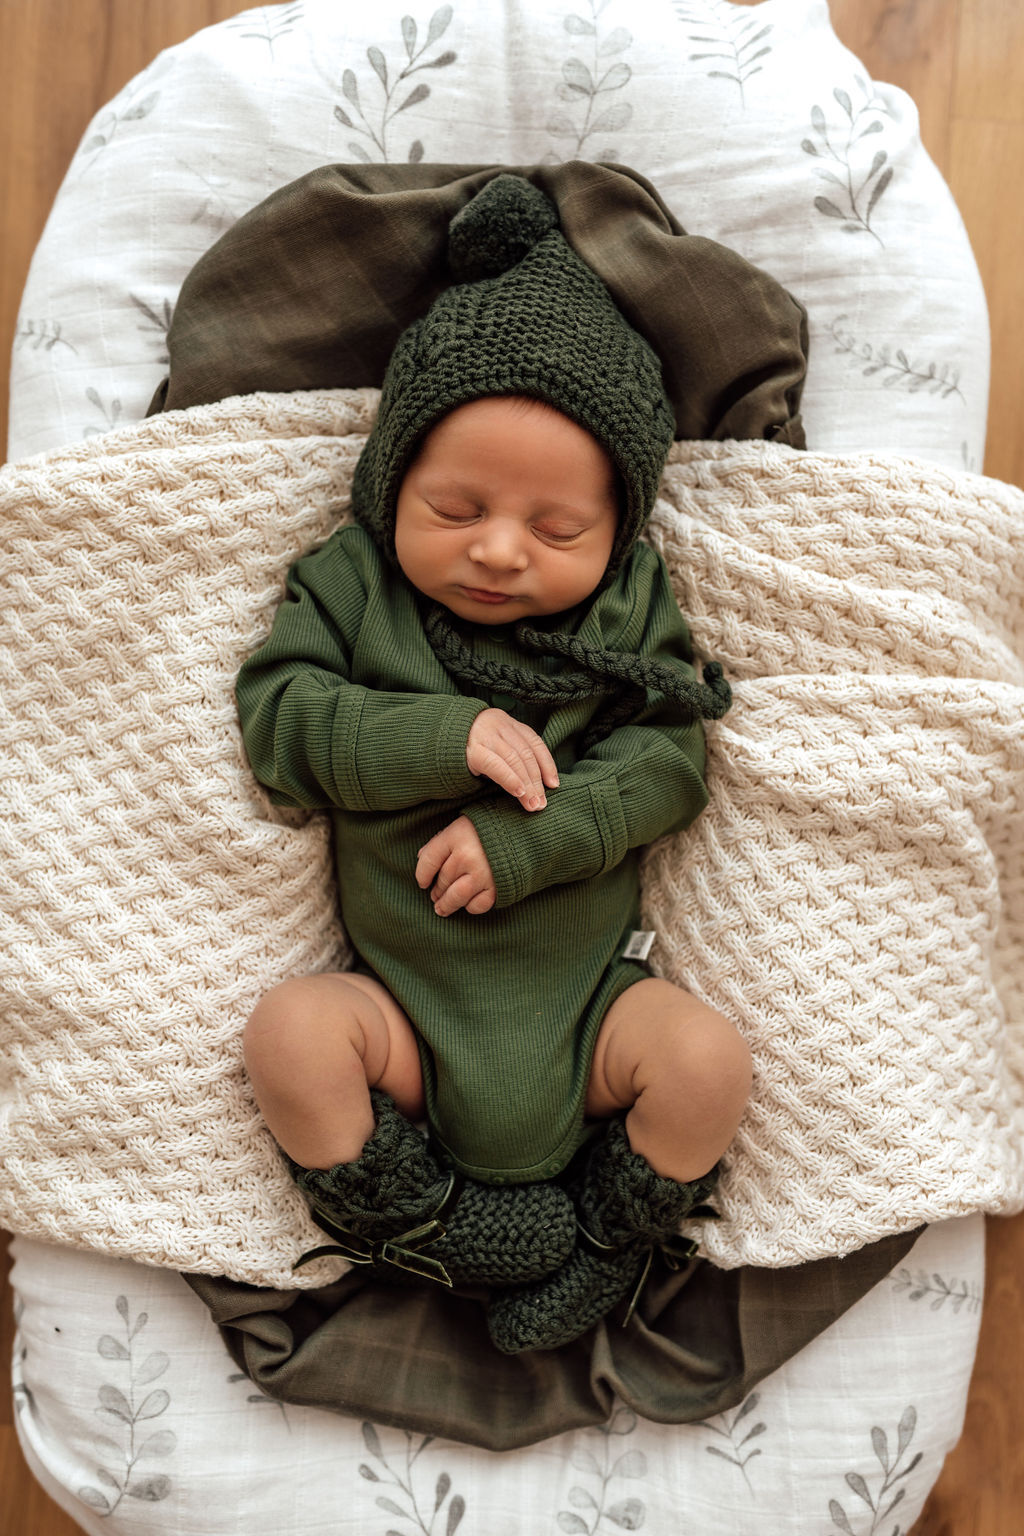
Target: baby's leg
{"points": [[679, 1068], [314, 1047]]}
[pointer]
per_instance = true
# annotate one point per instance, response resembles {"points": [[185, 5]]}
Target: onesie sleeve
{"points": [[643, 780], [318, 740]]}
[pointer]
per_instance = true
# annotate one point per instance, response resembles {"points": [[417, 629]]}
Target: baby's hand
{"points": [[455, 865], [515, 757]]}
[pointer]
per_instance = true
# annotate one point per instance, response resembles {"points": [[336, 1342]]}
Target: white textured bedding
{"points": [[760, 130]]}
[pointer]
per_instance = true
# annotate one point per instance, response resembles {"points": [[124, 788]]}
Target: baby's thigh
{"points": [[316, 1023], [392, 1058], [659, 1037]]}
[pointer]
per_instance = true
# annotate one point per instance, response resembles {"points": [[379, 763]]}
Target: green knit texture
{"points": [[537, 322], [624, 1206], [494, 1235]]}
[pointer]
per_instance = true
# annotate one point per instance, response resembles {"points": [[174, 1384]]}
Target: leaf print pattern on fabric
{"points": [[859, 192], [587, 83], [390, 80], [594, 1504], [220, 192], [111, 417], [260, 1398], [734, 37], [21, 1394], [41, 334], [880, 1504], [737, 1434], [135, 103], [917, 1286], [155, 319], [130, 1409], [268, 24], [894, 369], [431, 1517]]}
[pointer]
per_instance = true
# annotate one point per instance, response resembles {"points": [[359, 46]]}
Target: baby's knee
{"points": [[721, 1069], [300, 1022], [278, 1013], [706, 1061]]}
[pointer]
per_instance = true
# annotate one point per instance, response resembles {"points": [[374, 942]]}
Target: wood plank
{"points": [[990, 61], [6, 1332], [987, 169]]}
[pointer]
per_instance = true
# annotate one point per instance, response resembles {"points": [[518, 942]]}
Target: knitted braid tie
{"points": [[628, 678], [397, 1209]]}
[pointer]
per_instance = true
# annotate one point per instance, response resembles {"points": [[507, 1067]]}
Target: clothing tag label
{"points": [[639, 946]]}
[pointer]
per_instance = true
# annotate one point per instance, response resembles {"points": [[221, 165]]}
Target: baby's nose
{"points": [[500, 546]]}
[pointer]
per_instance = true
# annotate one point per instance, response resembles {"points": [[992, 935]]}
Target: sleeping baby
{"points": [[486, 680]]}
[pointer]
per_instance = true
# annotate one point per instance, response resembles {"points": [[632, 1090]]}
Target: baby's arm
{"points": [[643, 780], [453, 864], [315, 738]]}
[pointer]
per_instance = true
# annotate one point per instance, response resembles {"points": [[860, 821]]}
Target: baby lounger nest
{"points": [[738, 115]]}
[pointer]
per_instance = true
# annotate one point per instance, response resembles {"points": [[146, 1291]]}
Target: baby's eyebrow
{"points": [[565, 509], [448, 487]]}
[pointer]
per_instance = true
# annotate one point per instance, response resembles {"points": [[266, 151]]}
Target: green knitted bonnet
{"points": [[525, 317]]}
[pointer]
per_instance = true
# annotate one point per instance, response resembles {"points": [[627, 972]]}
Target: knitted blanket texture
{"points": [[853, 897]]}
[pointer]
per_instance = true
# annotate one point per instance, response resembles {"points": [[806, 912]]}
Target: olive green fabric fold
{"points": [[418, 1357], [313, 287]]}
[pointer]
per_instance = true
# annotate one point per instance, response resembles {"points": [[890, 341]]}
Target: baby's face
{"points": [[508, 512]]}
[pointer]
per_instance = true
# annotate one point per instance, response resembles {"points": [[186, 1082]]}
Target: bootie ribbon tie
{"points": [[402, 1251], [675, 1250]]}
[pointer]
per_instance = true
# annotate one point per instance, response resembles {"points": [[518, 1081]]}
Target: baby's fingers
{"points": [[464, 892], [511, 770], [546, 763], [431, 857], [513, 755]]}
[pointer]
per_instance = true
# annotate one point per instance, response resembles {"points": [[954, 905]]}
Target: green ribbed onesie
{"points": [[346, 708]]}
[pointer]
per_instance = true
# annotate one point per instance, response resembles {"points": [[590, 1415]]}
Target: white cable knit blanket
{"points": [[853, 897]]}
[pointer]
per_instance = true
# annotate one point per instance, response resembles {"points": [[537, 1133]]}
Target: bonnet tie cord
{"points": [[626, 677]]}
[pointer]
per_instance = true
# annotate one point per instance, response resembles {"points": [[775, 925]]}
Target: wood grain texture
{"points": [[963, 62]]}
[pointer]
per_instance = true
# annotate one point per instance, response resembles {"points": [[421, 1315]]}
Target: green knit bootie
{"points": [[625, 1209], [395, 1206]]}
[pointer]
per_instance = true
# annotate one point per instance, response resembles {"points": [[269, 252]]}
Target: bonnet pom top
{"points": [[523, 315], [497, 228]]}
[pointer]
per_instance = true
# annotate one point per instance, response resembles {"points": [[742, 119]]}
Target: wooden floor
{"points": [[963, 62]]}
